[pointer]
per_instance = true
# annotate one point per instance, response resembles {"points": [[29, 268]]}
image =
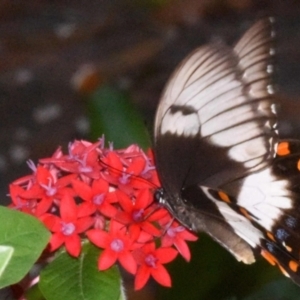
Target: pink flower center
{"points": [[147, 168], [124, 179], [85, 169], [172, 231], [67, 228], [98, 199], [138, 215], [117, 245], [151, 260], [50, 189]]}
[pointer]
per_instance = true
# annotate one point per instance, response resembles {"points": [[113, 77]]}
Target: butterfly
{"points": [[223, 168]]}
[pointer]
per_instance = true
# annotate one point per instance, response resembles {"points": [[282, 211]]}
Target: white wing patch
{"points": [[206, 73], [180, 124], [251, 153], [265, 197], [227, 120]]}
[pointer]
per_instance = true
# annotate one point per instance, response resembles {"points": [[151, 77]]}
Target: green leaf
{"points": [[34, 293], [112, 114], [22, 238], [68, 278]]}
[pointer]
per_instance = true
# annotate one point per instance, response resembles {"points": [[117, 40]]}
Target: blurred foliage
{"points": [[282, 289], [112, 114]]}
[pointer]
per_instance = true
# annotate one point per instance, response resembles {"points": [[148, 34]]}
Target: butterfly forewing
{"points": [[208, 128], [178, 121]]}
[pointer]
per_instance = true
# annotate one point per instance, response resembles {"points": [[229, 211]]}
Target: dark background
{"points": [[134, 45]]}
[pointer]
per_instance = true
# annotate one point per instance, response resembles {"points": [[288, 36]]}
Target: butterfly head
{"points": [[162, 198], [177, 208]]}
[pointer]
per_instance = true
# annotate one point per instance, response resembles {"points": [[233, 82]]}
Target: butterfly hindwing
{"points": [[282, 243], [279, 245], [270, 200], [218, 215]]}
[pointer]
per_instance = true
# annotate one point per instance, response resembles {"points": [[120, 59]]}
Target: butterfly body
{"points": [[221, 163]]}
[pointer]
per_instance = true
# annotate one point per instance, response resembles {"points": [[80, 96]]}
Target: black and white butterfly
{"points": [[222, 166]]}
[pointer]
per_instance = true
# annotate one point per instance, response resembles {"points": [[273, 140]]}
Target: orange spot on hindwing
{"points": [[224, 197], [283, 149], [269, 257], [293, 265], [245, 213], [270, 236]]}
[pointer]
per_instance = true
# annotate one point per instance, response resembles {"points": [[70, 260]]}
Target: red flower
{"points": [[27, 179], [96, 187], [117, 245], [47, 187], [150, 261], [82, 159], [127, 170], [135, 212], [96, 197], [66, 229], [19, 202], [177, 235]]}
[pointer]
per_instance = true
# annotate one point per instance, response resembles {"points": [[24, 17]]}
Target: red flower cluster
{"points": [[105, 195]]}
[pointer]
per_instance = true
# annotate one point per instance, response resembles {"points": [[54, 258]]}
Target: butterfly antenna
{"points": [[127, 173]]}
